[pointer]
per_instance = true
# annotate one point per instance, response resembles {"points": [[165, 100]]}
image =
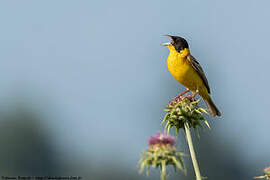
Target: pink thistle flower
{"points": [[161, 139]]}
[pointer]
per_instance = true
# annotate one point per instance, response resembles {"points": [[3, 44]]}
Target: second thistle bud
{"points": [[160, 153], [266, 174]]}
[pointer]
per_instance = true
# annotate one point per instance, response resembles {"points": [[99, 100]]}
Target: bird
{"points": [[188, 72]]}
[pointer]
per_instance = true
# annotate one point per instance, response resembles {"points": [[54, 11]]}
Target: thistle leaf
{"points": [[165, 118], [142, 167], [203, 110], [178, 164], [207, 124]]}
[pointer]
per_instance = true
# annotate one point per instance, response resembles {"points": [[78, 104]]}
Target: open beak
{"points": [[167, 43]]}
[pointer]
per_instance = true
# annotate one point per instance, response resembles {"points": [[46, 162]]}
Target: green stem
{"points": [[163, 171], [192, 153]]}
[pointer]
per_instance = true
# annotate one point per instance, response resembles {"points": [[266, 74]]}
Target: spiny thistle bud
{"points": [[160, 153], [266, 174], [181, 110]]}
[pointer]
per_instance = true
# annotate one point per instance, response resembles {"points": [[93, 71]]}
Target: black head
{"points": [[179, 43]]}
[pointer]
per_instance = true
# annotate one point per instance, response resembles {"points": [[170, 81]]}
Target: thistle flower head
{"points": [[184, 109], [267, 170], [266, 174], [161, 152]]}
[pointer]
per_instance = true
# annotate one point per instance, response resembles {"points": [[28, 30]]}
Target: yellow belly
{"points": [[182, 71]]}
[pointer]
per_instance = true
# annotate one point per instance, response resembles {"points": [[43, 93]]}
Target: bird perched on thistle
{"points": [[187, 71]]}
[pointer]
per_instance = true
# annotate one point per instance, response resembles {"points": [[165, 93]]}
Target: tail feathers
{"points": [[212, 107]]}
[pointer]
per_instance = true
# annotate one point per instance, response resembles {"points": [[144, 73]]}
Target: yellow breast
{"points": [[182, 70]]}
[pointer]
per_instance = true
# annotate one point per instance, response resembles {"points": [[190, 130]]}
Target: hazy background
{"points": [[83, 85]]}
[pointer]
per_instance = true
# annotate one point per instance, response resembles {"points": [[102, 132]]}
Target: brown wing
{"points": [[199, 70]]}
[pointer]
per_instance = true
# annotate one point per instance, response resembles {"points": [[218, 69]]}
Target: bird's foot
{"points": [[195, 94], [184, 92], [181, 97]]}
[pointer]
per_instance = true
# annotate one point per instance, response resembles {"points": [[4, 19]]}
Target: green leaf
{"points": [[142, 166], [203, 110], [167, 124], [165, 118], [197, 111], [207, 124], [178, 164], [183, 165], [169, 128]]}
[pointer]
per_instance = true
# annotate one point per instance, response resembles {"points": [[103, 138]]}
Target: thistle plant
{"points": [[266, 174], [161, 152], [184, 113]]}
